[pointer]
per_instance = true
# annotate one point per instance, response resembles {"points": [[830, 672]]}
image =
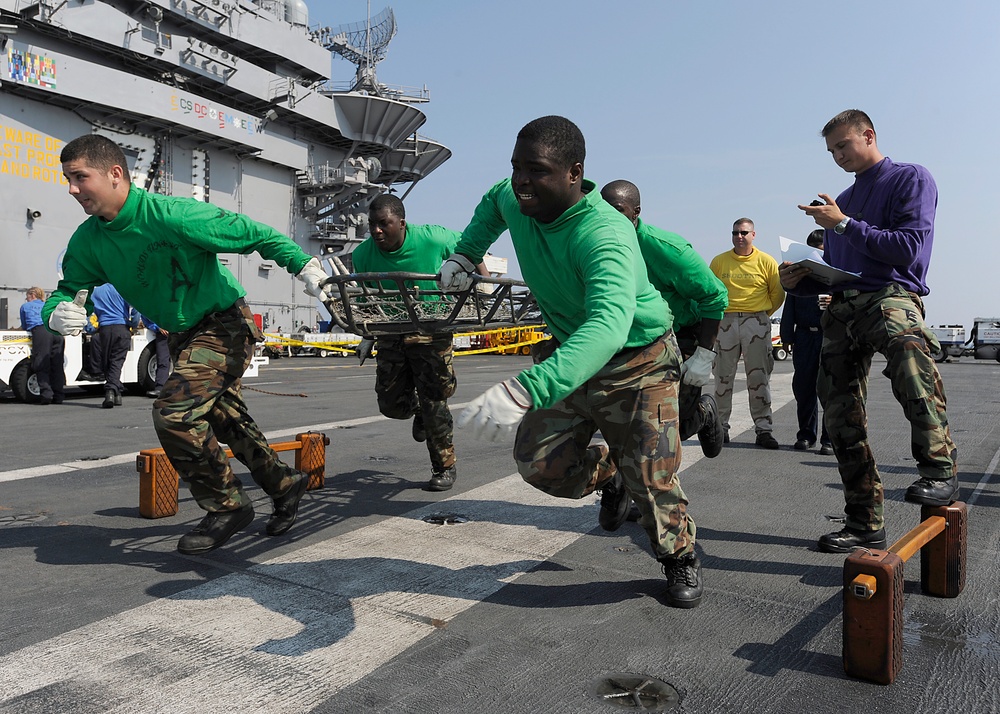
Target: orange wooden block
{"points": [[873, 624], [158, 481], [942, 560], [873, 589]]}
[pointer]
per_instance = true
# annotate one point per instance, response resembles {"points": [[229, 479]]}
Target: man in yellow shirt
{"points": [[755, 293]]}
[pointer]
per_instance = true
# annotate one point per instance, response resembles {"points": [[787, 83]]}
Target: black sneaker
{"points": [[684, 584], [286, 507], [418, 431], [711, 436], [766, 440], [442, 480], [826, 449], [933, 492], [614, 504], [846, 540], [215, 529], [109, 399], [801, 445]]}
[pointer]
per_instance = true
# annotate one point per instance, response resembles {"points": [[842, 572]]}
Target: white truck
{"points": [[138, 372], [952, 339]]}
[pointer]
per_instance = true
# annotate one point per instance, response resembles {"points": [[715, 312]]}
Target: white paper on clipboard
{"points": [[812, 258]]}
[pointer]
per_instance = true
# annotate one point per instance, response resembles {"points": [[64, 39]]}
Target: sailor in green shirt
{"points": [[160, 252], [697, 300], [414, 376], [616, 368]]}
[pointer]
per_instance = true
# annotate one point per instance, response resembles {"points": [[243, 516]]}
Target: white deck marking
{"points": [[780, 395], [287, 634]]}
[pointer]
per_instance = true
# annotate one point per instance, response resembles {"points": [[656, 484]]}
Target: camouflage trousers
{"points": [[692, 414], [747, 334], [855, 326], [414, 374], [632, 401], [201, 405]]}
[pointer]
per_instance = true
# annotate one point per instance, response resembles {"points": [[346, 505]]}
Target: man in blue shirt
{"points": [[881, 227], [800, 330], [46, 350], [115, 318]]}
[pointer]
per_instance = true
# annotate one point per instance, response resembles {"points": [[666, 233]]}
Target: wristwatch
{"points": [[842, 226]]}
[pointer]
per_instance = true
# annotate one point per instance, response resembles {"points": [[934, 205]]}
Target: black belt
{"points": [[847, 294]]}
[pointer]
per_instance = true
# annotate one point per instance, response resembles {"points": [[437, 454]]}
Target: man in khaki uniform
{"points": [[755, 293]]}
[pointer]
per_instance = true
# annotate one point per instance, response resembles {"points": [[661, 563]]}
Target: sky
{"points": [[714, 109]]}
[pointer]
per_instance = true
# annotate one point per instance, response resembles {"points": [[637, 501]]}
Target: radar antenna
{"points": [[364, 44]]}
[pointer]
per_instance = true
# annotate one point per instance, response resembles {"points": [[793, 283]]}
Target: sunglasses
{"points": [[742, 233]]}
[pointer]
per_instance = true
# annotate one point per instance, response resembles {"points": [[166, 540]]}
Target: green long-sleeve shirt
{"points": [[682, 276], [424, 249], [160, 252], [586, 272]]}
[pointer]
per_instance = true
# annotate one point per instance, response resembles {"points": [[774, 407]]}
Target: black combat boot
{"points": [[933, 492], [684, 584], [442, 480], [286, 507], [215, 529], [614, 504], [418, 430], [846, 540]]}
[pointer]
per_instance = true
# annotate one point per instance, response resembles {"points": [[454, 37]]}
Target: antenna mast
{"points": [[365, 45]]}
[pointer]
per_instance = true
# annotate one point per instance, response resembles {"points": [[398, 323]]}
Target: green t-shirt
{"points": [[682, 276], [586, 272], [424, 249], [160, 252]]}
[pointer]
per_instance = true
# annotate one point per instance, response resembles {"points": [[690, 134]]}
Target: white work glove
{"points": [[69, 318], [456, 274], [313, 275], [364, 349], [495, 413], [697, 369]]}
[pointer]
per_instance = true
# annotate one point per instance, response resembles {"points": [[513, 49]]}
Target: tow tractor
{"points": [[985, 338]]}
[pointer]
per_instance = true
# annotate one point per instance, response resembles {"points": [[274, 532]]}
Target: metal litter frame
{"points": [[382, 304]]}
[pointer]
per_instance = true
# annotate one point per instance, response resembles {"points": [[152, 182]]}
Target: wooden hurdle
{"points": [[158, 481], [873, 589]]}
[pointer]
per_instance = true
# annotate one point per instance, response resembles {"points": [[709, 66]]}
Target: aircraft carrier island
{"points": [[229, 101]]}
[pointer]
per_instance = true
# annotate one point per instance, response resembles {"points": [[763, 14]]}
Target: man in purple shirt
{"points": [[882, 228]]}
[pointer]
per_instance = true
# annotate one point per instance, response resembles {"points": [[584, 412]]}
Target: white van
{"points": [[138, 372]]}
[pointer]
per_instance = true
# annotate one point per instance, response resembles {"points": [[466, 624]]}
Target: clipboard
{"points": [[802, 254]]}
